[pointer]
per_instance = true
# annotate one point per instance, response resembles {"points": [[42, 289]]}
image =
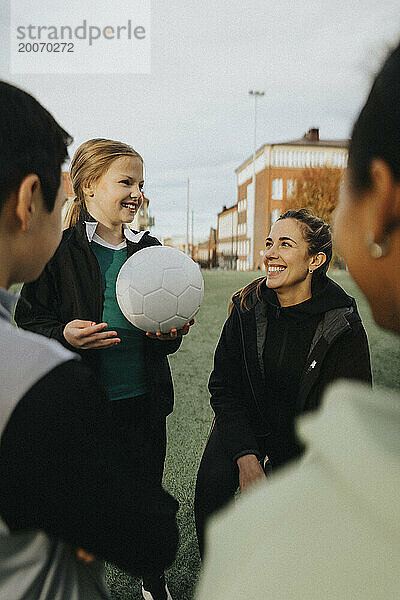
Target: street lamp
{"points": [[255, 94]]}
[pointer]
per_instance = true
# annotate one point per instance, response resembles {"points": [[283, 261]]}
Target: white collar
{"points": [[128, 233], [7, 303], [96, 238]]}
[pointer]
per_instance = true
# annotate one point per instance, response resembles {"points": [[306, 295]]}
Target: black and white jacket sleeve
{"points": [[63, 469]]}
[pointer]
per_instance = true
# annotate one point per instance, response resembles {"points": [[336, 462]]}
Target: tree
{"points": [[317, 188]]}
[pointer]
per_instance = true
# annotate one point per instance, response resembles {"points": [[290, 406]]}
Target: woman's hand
{"points": [[250, 471], [173, 334], [87, 335]]}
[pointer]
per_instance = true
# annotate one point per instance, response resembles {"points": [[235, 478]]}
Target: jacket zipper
{"points": [[247, 368], [100, 287], [283, 346]]}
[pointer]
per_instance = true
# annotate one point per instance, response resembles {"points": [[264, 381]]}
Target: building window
{"points": [[277, 189], [290, 184], [275, 215]]}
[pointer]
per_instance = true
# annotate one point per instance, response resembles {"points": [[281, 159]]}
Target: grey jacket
{"points": [[33, 565]]}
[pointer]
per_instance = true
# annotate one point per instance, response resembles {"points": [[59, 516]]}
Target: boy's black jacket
{"points": [[70, 288], [237, 384]]}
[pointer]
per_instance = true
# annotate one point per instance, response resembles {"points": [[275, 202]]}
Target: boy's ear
{"points": [[28, 197]]}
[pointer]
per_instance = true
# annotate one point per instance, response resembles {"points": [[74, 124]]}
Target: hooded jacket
{"points": [[238, 382], [70, 288]]}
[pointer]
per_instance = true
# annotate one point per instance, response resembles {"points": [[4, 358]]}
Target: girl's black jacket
{"points": [[70, 288], [237, 384]]}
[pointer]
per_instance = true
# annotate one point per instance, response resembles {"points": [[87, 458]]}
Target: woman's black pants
{"points": [[217, 482], [218, 475]]}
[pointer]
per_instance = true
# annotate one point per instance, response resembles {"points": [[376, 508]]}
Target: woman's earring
{"points": [[377, 250], [310, 270]]}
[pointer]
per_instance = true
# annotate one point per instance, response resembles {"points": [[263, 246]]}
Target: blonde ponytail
{"points": [[74, 212]]}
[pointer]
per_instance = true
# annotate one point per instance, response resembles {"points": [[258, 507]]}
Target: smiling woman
{"points": [[297, 256], [329, 527], [289, 334]]}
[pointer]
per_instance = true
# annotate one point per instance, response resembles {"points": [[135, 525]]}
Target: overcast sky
{"points": [[192, 116]]}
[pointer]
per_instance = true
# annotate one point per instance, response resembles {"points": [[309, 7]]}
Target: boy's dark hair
{"points": [[31, 141], [376, 133]]}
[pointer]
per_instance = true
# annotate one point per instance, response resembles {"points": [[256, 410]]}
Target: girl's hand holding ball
{"points": [[173, 334]]}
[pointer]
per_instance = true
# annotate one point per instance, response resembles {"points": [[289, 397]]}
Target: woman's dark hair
{"points": [[316, 233], [31, 141], [376, 133], [318, 236]]}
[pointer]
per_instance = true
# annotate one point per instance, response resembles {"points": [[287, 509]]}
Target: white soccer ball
{"points": [[159, 288]]}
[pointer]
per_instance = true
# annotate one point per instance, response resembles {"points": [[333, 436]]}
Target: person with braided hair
{"points": [[289, 334]]}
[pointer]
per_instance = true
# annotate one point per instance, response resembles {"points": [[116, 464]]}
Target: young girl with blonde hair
{"points": [[74, 302]]}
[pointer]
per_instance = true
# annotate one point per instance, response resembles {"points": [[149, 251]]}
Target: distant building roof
{"points": [[323, 143], [225, 210], [311, 138]]}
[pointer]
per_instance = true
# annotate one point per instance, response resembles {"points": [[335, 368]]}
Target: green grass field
{"points": [[189, 424]]}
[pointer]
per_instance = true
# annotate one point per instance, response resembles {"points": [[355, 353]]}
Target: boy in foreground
{"points": [[66, 486]]}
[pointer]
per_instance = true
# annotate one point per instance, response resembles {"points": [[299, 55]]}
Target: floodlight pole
{"points": [[187, 218], [255, 94], [192, 233]]}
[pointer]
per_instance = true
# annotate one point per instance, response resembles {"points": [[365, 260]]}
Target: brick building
{"points": [[277, 166], [175, 241], [227, 237], [207, 251]]}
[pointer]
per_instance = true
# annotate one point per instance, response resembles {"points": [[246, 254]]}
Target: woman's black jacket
{"points": [[70, 288], [338, 350]]}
